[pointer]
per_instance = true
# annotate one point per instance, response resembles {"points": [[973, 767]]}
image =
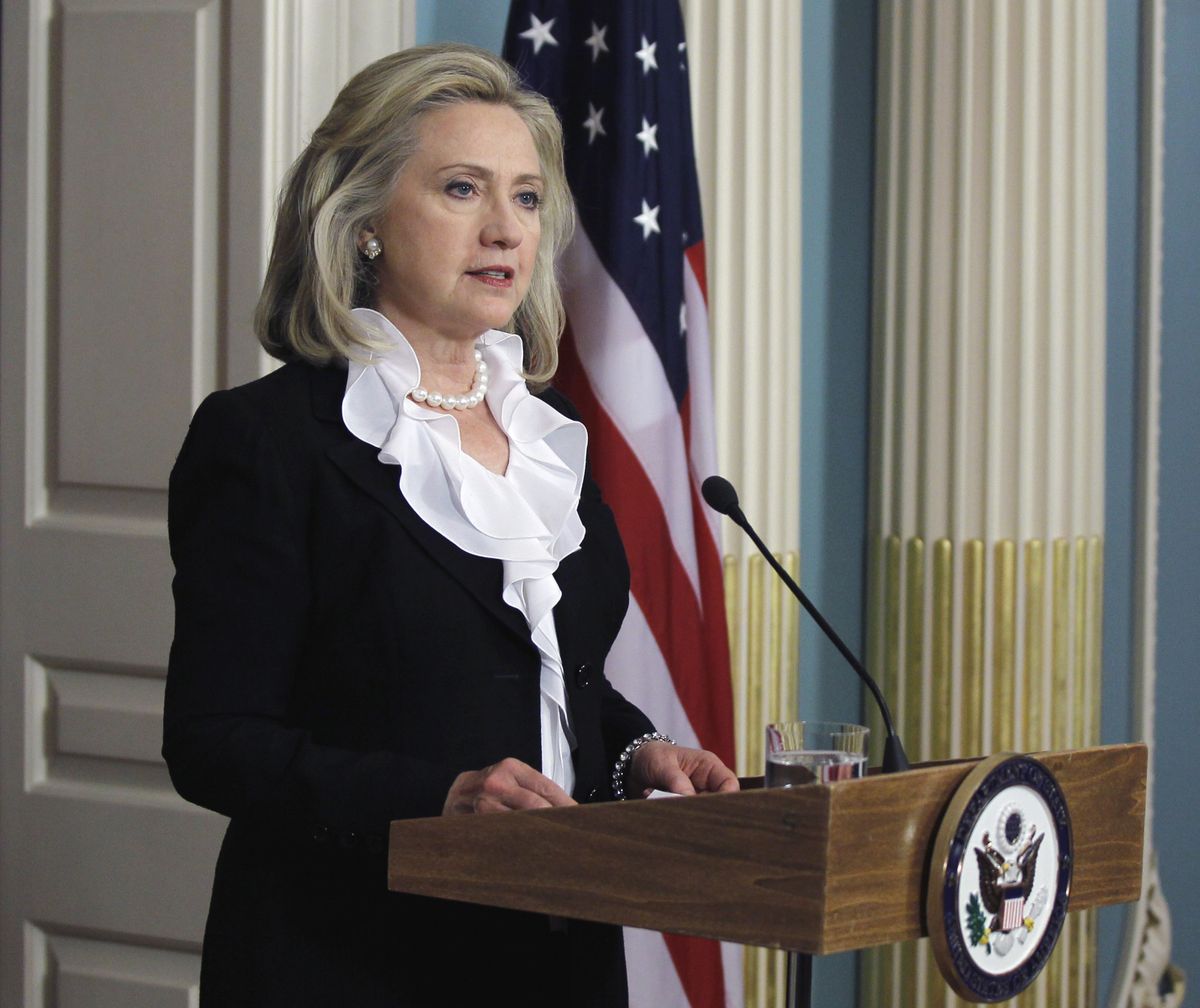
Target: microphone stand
{"points": [[720, 495]]}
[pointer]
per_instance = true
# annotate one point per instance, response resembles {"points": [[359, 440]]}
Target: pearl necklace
{"points": [[479, 387]]}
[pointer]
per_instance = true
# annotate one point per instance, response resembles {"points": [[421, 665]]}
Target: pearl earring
{"points": [[372, 248]]}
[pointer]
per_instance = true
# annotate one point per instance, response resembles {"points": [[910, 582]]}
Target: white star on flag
{"points": [[683, 318], [539, 33], [595, 41], [648, 137], [646, 55], [648, 219], [593, 124]]}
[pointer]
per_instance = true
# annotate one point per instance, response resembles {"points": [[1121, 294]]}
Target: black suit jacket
{"points": [[336, 664]]}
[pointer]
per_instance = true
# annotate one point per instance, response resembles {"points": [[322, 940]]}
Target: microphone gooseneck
{"points": [[720, 495]]}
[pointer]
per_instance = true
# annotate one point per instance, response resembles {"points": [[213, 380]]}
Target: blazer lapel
{"points": [[480, 576]]}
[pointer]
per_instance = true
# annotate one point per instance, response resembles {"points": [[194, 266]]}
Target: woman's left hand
{"points": [[666, 767]]}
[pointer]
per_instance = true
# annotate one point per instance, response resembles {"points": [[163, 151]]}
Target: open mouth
{"points": [[493, 273]]}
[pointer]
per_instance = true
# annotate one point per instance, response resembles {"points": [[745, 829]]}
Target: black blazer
{"points": [[336, 664]]}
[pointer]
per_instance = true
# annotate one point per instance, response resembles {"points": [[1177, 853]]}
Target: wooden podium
{"points": [[814, 869]]}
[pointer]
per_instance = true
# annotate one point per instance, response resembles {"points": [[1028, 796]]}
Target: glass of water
{"points": [[807, 752]]}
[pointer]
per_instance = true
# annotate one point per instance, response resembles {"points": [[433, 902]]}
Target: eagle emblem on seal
{"points": [[1006, 908]]}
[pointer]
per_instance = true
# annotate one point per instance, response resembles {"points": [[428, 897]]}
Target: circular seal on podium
{"points": [[999, 878]]}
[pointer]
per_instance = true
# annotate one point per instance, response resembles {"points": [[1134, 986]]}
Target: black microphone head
{"points": [[720, 495]]}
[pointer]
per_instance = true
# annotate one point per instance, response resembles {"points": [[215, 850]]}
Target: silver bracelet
{"points": [[622, 764]]}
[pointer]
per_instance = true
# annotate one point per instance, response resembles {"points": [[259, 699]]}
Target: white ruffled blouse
{"points": [[527, 518]]}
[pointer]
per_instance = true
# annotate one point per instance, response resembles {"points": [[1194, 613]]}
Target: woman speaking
{"points": [[396, 584]]}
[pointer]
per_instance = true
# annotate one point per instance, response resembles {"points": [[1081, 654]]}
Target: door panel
{"points": [[133, 238], [94, 973]]}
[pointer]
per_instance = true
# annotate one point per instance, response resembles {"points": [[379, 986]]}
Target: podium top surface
{"points": [[819, 868]]}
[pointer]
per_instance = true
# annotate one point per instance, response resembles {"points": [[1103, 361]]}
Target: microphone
{"points": [[720, 495]]}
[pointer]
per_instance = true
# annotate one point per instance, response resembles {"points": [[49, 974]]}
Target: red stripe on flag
{"points": [[659, 581], [698, 963], [696, 259]]}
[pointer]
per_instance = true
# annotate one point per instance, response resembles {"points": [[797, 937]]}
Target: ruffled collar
{"points": [[530, 513]]}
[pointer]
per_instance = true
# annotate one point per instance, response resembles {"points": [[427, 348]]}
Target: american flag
{"points": [[635, 361]]}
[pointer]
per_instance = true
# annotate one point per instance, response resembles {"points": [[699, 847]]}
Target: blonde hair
{"points": [[344, 178]]}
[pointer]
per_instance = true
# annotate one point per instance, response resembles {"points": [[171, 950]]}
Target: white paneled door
{"points": [[143, 141], [125, 300]]}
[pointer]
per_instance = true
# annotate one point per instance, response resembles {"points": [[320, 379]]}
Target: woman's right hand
{"points": [[502, 787]]}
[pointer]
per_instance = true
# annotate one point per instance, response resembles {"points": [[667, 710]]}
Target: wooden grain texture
{"points": [[876, 882], [819, 869], [670, 864], [1105, 788]]}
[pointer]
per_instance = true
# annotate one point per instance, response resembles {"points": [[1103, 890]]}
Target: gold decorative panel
{"points": [[763, 640], [1028, 680]]}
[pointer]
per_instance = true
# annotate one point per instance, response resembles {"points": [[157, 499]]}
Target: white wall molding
{"points": [[746, 104], [313, 47]]}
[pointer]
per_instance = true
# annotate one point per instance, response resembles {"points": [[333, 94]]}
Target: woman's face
{"points": [[461, 229]]}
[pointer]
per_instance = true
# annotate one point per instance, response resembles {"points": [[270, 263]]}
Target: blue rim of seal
{"points": [[1014, 772]]}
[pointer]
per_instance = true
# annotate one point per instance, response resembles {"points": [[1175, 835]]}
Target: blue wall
{"points": [[837, 182], [1120, 415], [1178, 699], [480, 22]]}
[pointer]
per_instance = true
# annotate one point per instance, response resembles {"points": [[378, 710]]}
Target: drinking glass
{"points": [[807, 752]]}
